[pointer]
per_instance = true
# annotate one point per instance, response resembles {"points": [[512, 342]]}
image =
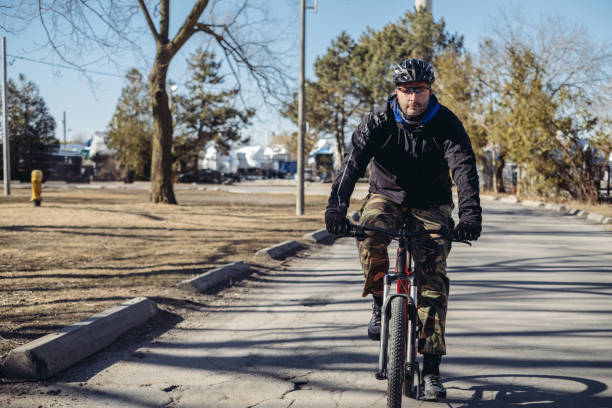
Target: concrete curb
{"points": [[510, 199], [48, 355], [485, 198], [599, 218], [530, 203], [278, 252], [215, 277], [556, 207], [574, 212], [320, 237]]}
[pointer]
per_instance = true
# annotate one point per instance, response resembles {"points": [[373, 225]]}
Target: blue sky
{"points": [[90, 108]]}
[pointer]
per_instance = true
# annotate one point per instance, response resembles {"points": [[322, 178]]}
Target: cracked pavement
{"points": [[529, 323]]}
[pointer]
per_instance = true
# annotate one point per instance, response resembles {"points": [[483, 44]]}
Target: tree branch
{"points": [[190, 25], [164, 20], [233, 50], [145, 11], [52, 43]]}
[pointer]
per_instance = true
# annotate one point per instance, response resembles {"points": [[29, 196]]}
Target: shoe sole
{"points": [[374, 336], [434, 397]]}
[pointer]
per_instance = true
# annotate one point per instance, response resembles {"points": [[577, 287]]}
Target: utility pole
{"points": [[494, 160], [299, 205], [64, 123], [5, 129]]}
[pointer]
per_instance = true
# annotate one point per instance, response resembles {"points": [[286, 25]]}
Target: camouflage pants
{"points": [[429, 261]]}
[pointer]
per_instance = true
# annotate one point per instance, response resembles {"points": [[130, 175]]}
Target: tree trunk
{"points": [[339, 144], [589, 188], [340, 135], [519, 177], [336, 138], [161, 156], [499, 169], [342, 126]]}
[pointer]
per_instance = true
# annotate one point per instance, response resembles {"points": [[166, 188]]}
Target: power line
{"points": [[65, 66]]}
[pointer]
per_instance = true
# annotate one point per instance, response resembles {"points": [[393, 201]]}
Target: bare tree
{"points": [[241, 29], [542, 85]]}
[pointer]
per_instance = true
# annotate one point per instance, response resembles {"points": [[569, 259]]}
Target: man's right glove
{"points": [[468, 230], [336, 221]]}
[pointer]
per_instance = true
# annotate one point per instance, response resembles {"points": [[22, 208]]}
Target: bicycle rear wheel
{"points": [[396, 352]]}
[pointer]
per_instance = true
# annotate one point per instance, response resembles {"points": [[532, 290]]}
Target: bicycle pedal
{"points": [[380, 376]]}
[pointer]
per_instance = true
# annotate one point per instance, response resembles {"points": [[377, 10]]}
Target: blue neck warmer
{"points": [[432, 108]]}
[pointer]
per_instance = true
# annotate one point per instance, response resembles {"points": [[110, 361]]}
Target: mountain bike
{"points": [[400, 325]]}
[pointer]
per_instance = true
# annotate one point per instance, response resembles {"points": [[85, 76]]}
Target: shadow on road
{"points": [[519, 389]]}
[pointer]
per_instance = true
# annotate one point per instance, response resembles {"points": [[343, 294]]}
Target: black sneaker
{"points": [[433, 390], [374, 326]]}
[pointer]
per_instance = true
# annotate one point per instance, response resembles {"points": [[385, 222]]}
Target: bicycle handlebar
{"points": [[358, 231]]}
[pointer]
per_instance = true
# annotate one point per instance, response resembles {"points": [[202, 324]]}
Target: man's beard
{"points": [[417, 109]]}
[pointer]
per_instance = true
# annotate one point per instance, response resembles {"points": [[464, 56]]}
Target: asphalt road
{"points": [[529, 324]]}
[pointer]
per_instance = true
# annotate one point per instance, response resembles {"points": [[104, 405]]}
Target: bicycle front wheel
{"points": [[396, 352]]}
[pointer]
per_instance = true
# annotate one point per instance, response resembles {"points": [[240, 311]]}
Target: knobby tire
{"points": [[396, 352]]}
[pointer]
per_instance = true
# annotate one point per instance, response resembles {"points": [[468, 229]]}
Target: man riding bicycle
{"points": [[411, 142]]}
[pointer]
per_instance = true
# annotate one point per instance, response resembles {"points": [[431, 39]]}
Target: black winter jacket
{"points": [[410, 165]]}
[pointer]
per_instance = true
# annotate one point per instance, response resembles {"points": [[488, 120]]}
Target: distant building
{"points": [[247, 160], [321, 159], [105, 166], [97, 145], [213, 159]]}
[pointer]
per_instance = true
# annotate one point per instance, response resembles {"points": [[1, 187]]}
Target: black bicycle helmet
{"points": [[413, 70]]}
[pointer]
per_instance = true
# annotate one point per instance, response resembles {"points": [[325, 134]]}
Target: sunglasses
{"points": [[417, 90]]}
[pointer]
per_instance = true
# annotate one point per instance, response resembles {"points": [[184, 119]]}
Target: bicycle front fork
{"points": [[403, 283], [381, 374]]}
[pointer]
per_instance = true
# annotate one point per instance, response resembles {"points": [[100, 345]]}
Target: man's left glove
{"points": [[336, 221], [468, 230]]}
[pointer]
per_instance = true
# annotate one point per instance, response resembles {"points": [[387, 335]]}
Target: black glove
{"points": [[468, 230], [336, 221]]}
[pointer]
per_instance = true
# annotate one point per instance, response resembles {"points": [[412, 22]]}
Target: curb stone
{"points": [[531, 203], [320, 237], [215, 277], [573, 211], [510, 199], [556, 207], [488, 198], [278, 252], [599, 218], [50, 354], [594, 217]]}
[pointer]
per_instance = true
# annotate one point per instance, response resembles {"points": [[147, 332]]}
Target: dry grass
{"points": [[83, 251]]}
